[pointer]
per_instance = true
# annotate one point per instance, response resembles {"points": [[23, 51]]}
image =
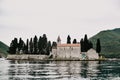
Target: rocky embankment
{"points": [[27, 57], [45, 58]]}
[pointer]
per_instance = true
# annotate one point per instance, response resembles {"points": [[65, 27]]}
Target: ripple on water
{"points": [[59, 70]]}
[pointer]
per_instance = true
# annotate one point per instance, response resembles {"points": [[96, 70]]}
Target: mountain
{"points": [[3, 49], [110, 42]]}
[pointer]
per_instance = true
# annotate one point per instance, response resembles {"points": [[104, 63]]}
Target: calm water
{"points": [[59, 70]]}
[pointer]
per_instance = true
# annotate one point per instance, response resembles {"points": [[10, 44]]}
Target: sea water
{"points": [[59, 70]]}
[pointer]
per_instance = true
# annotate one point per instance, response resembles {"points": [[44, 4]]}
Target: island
{"points": [[43, 50]]}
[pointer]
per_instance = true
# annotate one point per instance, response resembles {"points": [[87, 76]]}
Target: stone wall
{"points": [[91, 54], [54, 53], [67, 53], [62, 53], [27, 57], [74, 53]]}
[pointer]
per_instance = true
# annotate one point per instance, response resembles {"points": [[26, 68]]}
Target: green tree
{"points": [[49, 48], [31, 46], [90, 45], [26, 47], [68, 39], [44, 44], [86, 43], [44, 41], [82, 45], [54, 45], [74, 41], [40, 45], [35, 42], [98, 47], [13, 46], [20, 45]]}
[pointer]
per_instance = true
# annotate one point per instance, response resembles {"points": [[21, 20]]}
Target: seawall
{"points": [[46, 58], [27, 57]]}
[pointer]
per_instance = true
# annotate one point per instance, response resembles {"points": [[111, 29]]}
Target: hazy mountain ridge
{"points": [[110, 42], [3, 49]]}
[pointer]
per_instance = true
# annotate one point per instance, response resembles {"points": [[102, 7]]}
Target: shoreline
{"points": [[55, 60], [46, 58]]}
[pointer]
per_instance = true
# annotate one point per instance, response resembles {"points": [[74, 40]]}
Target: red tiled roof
{"points": [[68, 45]]}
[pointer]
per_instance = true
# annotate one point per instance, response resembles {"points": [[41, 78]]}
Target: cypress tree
{"points": [[13, 46], [86, 44], [44, 41], [68, 39], [90, 45], [54, 45], [35, 45], [44, 44], [31, 46], [98, 47], [26, 47], [74, 41], [40, 45], [20, 44], [49, 48], [82, 45], [27, 44]]}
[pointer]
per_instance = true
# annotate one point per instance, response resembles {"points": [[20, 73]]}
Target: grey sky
{"points": [[26, 18]]}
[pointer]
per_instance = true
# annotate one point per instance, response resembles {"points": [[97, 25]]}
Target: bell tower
{"points": [[58, 40]]}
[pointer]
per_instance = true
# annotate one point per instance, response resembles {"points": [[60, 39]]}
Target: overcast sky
{"points": [[26, 18]]}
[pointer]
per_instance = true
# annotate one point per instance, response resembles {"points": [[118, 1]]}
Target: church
{"points": [[72, 52], [66, 51]]}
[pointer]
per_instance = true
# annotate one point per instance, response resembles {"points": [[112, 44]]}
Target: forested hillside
{"points": [[3, 49], [110, 42]]}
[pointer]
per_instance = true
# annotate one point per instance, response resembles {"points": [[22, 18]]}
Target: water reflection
{"points": [[59, 70], [109, 70]]}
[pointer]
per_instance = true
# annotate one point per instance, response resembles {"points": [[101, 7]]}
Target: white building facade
{"points": [[67, 51], [72, 52]]}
